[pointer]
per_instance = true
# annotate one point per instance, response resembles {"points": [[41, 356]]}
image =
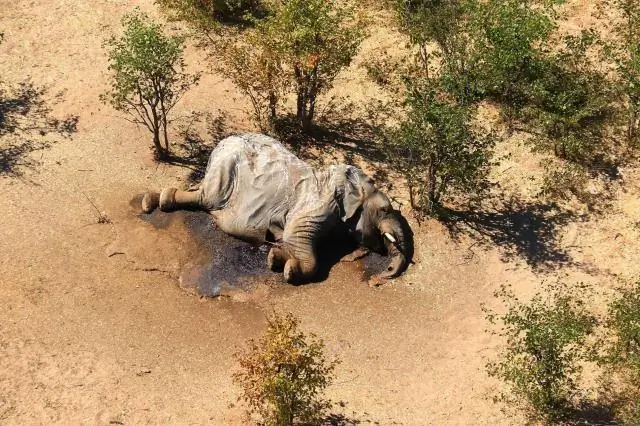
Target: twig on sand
{"points": [[102, 217]]}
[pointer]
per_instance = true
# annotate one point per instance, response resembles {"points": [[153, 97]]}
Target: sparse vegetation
{"points": [[254, 66], [509, 54], [284, 374], [624, 51], [148, 77], [545, 344], [437, 150], [298, 49], [206, 15], [621, 358]]}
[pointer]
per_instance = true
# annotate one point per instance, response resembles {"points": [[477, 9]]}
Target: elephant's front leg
{"points": [[276, 259], [297, 271], [297, 262], [298, 250]]}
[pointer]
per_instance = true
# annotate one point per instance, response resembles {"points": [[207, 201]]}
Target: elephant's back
{"points": [[255, 179], [259, 152]]}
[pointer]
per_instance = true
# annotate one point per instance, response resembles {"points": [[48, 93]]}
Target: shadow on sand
{"points": [[25, 121], [529, 231]]}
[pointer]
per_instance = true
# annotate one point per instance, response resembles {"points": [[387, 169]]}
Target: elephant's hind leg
{"points": [[150, 201], [171, 199]]}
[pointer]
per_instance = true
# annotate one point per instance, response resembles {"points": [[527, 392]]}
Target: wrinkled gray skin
{"points": [[258, 191]]}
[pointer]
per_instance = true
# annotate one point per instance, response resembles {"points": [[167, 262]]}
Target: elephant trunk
{"points": [[397, 247]]}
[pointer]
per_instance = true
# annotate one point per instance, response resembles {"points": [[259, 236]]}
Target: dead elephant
{"points": [[258, 191]]}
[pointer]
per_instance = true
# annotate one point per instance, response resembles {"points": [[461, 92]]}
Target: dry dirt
{"points": [[95, 328]]}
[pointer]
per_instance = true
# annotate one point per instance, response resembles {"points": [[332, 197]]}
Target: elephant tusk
{"points": [[390, 237]]}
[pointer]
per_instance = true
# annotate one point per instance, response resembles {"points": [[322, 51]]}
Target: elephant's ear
{"points": [[357, 187]]}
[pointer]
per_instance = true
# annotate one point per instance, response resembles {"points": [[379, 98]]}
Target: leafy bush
{"points": [[205, 14], [625, 53], [299, 47], [284, 374], [507, 52], [252, 63], [545, 342], [427, 21], [563, 181], [570, 104], [148, 76], [437, 150], [445, 23], [510, 37], [622, 355]]}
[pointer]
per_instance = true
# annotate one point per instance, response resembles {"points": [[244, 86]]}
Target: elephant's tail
{"points": [[171, 199]]}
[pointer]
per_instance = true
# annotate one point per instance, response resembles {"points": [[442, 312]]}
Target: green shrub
{"points": [[545, 343], [206, 14], [302, 45], [445, 23], [427, 21], [284, 374], [624, 51], [510, 39], [570, 104], [148, 76], [437, 150], [621, 360]]}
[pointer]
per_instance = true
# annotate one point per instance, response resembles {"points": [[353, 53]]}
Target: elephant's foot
{"points": [[150, 201], [296, 272], [292, 271], [276, 260], [168, 199]]}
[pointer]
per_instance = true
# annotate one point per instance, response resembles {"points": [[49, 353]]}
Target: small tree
{"points": [[625, 52], [621, 359], [511, 37], [254, 66], [148, 76], [284, 374], [544, 346], [437, 150], [569, 105], [300, 46]]}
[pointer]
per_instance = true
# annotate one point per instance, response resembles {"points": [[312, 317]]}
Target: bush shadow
{"points": [[591, 413], [337, 137], [529, 231], [342, 419], [193, 150], [25, 121]]}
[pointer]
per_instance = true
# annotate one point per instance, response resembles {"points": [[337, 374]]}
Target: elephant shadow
{"points": [[330, 252], [339, 243]]}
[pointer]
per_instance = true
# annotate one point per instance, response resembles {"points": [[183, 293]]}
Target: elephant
{"points": [[258, 191]]}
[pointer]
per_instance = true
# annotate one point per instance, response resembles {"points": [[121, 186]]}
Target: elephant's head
{"points": [[377, 224]]}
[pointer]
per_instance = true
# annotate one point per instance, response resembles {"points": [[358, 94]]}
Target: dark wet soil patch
{"points": [[374, 264], [226, 264], [223, 263]]}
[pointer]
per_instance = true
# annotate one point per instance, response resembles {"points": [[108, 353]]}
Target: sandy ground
{"points": [[94, 328]]}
